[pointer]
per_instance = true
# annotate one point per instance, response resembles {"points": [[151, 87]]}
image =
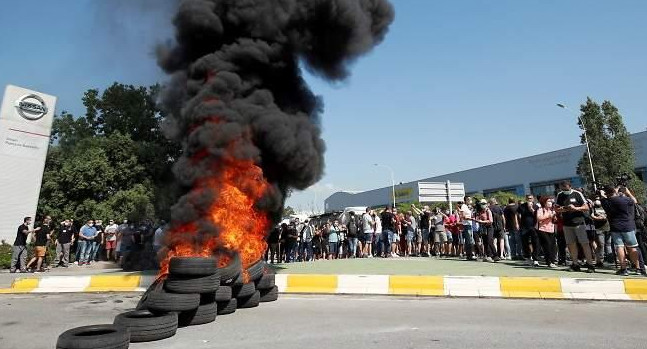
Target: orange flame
{"points": [[242, 227]]}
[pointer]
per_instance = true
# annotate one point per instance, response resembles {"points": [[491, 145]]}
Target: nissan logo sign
{"points": [[31, 107]]}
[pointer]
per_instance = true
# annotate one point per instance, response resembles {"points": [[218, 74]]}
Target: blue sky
{"points": [[455, 85]]}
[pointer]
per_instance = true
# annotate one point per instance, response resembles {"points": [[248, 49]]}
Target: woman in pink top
{"points": [[546, 229]]}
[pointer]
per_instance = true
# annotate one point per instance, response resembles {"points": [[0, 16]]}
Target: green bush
{"points": [[5, 255]]}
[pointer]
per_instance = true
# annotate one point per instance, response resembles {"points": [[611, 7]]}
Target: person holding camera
{"points": [[619, 204], [572, 205]]}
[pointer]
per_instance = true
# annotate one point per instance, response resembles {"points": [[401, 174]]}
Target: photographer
{"points": [[619, 204]]}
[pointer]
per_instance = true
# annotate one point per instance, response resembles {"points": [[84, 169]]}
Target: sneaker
{"points": [[488, 259], [529, 262], [535, 263], [574, 267], [599, 265], [590, 268], [497, 258], [553, 266], [622, 272], [643, 272], [12, 271]]}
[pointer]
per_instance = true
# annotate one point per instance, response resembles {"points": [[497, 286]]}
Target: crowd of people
{"points": [[81, 245], [568, 229]]}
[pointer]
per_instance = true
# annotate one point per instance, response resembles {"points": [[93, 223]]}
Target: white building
{"points": [[538, 174]]}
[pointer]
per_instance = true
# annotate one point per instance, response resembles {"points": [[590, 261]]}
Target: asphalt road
{"points": [[35, 321]]}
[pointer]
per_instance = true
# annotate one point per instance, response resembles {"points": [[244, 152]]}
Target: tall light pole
{"points": [[586, 141], [392, 180]]}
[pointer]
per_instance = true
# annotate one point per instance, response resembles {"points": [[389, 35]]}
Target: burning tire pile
{"points": [[195, 292]]}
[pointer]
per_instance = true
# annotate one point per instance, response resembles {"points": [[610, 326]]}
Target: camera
{"points": [[623, 179]]}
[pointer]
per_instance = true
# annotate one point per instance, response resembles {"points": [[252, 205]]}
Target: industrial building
{"points": [[538, 174]]}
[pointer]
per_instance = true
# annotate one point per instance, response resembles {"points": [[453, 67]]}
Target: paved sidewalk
{"points": [[433, 266]]}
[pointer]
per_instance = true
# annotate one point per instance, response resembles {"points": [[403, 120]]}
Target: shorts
{"points": [[440, 237], [425, 236], [499, 234], [576, 234], [110, 245], [410, 236], [39, 251], [624, 239], [396, 237], [450, 238]]}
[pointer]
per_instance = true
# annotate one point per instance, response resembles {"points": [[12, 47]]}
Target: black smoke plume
{"points": [[236, 79]]}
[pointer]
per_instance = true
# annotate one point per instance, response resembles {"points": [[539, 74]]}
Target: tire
{"points": [[193, 284], [229, 307], [244, 290], [204, 314], [192, 266], [270, 295], [145, 326], [157, 285], [249, 302], [256, 270], [94, 337], [266, 282], [164, 302], [224, 294], [231, 272]]}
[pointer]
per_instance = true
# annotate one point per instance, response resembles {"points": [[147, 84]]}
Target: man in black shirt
{"points": [[64, 240], [512, 227], [572, 205], [19, 253], [42, 237], [388, 230], [620, 210], [527, 221]]}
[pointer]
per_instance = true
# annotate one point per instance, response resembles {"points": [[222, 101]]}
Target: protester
{"points": [[484, 219], [620, 209], [99, 241], [528, 222], [43, 235], [352, 229], [465, 212], [498, 226], [333, 240], [19, 253], [440, 236], [368, 228], [111, 241], [306, 236], [546, 230], [388, 221], [572, 205], [273, 241], [64, 240], [87, 235], [512, 227]]}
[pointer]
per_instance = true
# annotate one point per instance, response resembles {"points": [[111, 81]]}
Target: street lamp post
{"points": [[392, 180], [586, 141]]}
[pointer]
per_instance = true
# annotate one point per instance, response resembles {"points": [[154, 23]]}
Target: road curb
{"points": [[398, 285]]}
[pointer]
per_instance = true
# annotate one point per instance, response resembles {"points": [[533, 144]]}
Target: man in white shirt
{"points": [[465, 214], [111, 240], [369, 229]]}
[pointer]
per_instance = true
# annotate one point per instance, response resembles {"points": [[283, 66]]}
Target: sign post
{"points": [[26, 118]]}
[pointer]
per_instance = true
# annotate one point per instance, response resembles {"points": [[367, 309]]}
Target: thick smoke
{"points": [[237, 91]]}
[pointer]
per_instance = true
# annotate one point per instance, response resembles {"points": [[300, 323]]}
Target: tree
{"points": [[288, 211], [113, 162], [612, 151]]}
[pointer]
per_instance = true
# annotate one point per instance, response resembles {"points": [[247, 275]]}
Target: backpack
{"points": [[497, 220], [352, 227]]}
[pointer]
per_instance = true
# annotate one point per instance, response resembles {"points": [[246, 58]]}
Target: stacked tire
{"points": [[195, 292]]}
